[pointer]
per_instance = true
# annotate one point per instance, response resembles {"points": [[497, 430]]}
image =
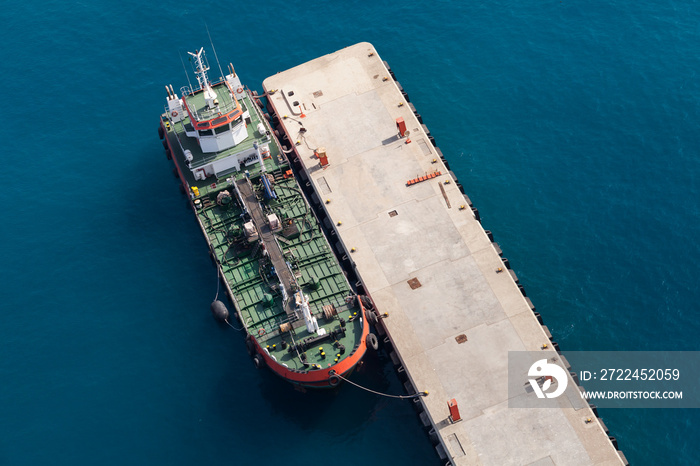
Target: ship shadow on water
{"points": [[353, 420], [309, 409]]}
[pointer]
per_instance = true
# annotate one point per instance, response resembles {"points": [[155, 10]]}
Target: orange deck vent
{"points": [[401, 126], [322, 156], [454, 410], [422, 178]]}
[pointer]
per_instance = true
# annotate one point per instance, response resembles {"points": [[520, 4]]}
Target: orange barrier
{"points": [[423, 178]]}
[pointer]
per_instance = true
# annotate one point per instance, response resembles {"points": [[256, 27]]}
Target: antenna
{"points": [[212, 47], [201, 67], [185, 69]]}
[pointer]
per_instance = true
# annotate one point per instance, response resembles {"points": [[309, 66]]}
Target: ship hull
{"points": [[324, 377]]}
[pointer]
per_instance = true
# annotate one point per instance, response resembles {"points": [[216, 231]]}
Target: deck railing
{"points": [[226, 104]]}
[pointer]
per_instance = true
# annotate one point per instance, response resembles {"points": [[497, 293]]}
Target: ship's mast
{"points": [[201, 68]]}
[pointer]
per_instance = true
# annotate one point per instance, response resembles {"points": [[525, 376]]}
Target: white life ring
{"points": [[174, 113]]}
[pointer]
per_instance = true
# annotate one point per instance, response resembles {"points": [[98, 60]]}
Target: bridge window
{"points": [[222, 129]]}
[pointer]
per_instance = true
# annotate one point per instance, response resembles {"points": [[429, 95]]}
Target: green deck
{"points": [[198, 104], [252, 284]]}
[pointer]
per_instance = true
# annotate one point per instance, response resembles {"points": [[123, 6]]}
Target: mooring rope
{"points": [[218, 284], [400, 397], [230, 325]]}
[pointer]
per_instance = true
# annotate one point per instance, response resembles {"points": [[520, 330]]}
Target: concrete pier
{"points": [[454, 310]]}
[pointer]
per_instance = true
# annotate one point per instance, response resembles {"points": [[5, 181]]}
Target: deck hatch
{"points": [[423, 146], [414, 283], [456, 446], [323, 184]]}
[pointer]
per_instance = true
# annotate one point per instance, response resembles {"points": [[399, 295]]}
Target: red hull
{"points": [[321, 378]]}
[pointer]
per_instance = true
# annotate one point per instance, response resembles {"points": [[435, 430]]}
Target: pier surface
{"points": [[427, 262]]}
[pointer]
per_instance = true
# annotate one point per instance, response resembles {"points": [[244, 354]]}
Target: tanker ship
{"points": [[288, 291]]}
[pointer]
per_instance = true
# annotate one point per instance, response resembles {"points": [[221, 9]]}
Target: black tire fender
{"points": [[371, 317], [334, 380], [250, 346], [372, 341]]}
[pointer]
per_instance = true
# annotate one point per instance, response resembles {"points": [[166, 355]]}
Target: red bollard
{"points": [[454, 410], [401, 126]]}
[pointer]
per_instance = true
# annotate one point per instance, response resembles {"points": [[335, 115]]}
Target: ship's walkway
{"points": [[268, 240]]}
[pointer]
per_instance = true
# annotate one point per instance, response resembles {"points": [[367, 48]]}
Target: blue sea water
{"points": [[572, 125]]}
